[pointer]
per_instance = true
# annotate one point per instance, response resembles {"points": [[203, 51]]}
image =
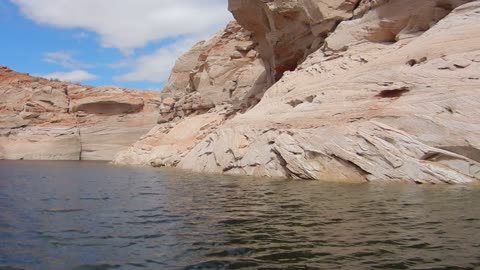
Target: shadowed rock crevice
{"points": [[466, 151], [393, 93], [288, 31], [348, 163], [108, 107]]}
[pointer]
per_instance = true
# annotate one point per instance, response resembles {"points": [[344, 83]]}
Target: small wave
{"points": [[146, 236], [75, 231], [126, 245], [95, 199], [236, 252], [208, 265], [147, 222], [9, 267], [224, 265], [155, 262], [54, 210], [54, 199], [293, 256], [236, 221], [97, 267], [138, 265]]}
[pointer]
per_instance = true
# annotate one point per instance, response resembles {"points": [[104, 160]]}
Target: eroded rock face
{"points": [[391, 95], [288, 31], [366, 90], [224, 70], [46, 120], [208, 85]]}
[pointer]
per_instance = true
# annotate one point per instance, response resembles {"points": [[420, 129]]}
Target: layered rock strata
{"points": [[288, 31], [48, 120], [355, 91], [210, 84], [364, 91], [392, 95]]}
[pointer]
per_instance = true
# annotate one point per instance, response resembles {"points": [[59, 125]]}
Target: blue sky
{"points": [[128, 43]]}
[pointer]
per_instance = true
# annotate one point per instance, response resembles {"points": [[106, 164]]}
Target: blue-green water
{"points": [[73, 215]]}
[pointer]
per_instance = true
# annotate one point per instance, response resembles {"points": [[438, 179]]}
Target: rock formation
{"points": [[211, 83], [392, 95], [333, 90], [48, 120], [364, 91], [288, 31]]}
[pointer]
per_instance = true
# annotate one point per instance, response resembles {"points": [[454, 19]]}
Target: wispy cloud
{"points": [[81, 35], [75, 76], [121, 64], [65, 60], [130, 24], [156, 67]]}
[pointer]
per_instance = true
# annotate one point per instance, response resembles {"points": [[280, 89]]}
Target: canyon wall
{"points": [[361, 91], [391, 95], [210, 84], [48, 120], [288, 31], [331, 90]]}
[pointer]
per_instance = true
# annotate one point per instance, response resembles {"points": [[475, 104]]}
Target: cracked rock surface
{"points": [[391, 95], [209, 84]]}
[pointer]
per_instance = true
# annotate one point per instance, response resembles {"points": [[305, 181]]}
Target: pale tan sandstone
{"points": [[222, 70], [48, 120], [368, 106], [111, 119], [166, 144], [34, 119], [368, 90], [209, 84], [288, 31]]}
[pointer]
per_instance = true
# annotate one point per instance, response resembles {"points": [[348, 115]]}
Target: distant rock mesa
{"points": [[48, 120]]}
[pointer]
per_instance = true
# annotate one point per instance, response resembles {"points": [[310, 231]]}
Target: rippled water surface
{"points": [[96, 216]]}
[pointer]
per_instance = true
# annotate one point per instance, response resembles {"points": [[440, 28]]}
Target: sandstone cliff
{"points": [[210, 84], [364, 90], [47, 120], [333, 90]]}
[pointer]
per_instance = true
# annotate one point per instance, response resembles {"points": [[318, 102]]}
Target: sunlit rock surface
{"points": [[211, 83], [354, 91], [391, 95], [48, 120]]}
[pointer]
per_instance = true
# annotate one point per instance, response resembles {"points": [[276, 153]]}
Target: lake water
{"points": [[80, 215]]}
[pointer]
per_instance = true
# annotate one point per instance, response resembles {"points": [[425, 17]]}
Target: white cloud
{"points": [[120, 64], [81, 35], [130, 24], [65, 60], [75, 76], [156, 67]]}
